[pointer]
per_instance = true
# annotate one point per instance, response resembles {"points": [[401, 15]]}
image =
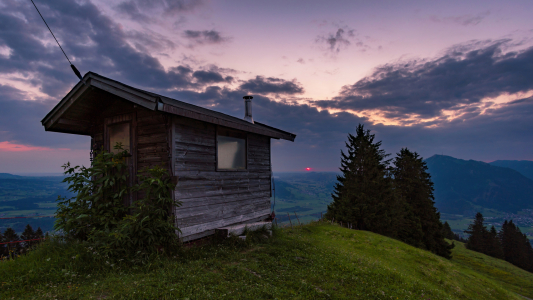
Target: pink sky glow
{"points": [[7, 146]]}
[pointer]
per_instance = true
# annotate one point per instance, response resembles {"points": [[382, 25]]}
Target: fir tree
{"points": [[28, 234], [363, 194], [2, 246], [11, 236], [421, 221], [494, 247], [447, 231], [478, 233], [516, 247], [38, 233]]}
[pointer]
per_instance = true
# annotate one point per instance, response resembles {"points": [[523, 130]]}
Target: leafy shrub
{"points": [[98, 213]]}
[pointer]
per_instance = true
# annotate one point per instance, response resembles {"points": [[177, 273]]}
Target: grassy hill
{"points": [[315, 261]]}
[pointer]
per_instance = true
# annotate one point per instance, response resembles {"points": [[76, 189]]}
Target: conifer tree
{"points": [[28, 234], [509, 242], [363, 194], [413, 186], [2, 246], [11, 236], [494, 247], [447, 231], [38, 233], [478, 234]]}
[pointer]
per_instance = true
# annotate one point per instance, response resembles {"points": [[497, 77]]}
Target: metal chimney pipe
{"points": [[248, 109]]}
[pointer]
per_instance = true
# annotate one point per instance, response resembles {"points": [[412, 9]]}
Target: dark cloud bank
{"points": [[423, 88]]}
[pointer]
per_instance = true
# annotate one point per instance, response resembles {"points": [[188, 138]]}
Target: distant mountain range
{"points": [[10, 176], [460, 185], [525, 167]]}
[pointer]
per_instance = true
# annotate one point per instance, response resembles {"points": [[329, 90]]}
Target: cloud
{"points": [[457, 82], [207, 77], [199, 37], [301, 60], [105, 49], [338, 40], [270, 85], [464, 20], [20, 124], [149, 10]]}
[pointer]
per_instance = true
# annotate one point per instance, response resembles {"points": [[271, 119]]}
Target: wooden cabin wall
{"points": [[153, 139], [151, 136], [212, 199]]}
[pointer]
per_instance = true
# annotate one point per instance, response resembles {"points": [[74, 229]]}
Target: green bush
{"points": [[99, 216]]}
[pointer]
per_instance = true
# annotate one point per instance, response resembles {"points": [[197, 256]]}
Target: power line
{"points": [[71, 65]]}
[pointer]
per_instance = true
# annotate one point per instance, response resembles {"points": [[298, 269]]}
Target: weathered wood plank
{"points": [[193, 202], [164, 164], [189, 230], [152, 159], [217, 215], [190, 166], [243, 181], [154, 138], [193, 123], [206, 131], [193, 175], [182, 213], [210, 232], [196, 139], [192, 155], [152, 148], [183, 146], [151, 129], [261, 168], [151, 120], [196, 193]]}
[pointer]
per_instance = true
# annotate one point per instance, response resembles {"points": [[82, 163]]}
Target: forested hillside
{"points": [[525, 167], [460, 185]]}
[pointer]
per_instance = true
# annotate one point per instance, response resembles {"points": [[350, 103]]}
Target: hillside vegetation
{"points": [[315, 261]]}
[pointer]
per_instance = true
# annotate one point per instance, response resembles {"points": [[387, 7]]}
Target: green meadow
{"points": [[315, 261]]}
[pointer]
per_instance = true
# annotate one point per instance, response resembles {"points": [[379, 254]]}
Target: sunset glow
{"points": [[12, 147]]}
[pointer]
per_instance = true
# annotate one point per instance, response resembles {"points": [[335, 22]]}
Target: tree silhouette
{"points": [[494, 246], [478, 235], [28, 234], [363, 194], [11, 236], [420, 225], [447, 231]]}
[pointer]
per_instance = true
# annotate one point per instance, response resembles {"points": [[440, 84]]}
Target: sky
{"points": [[437, 77]]}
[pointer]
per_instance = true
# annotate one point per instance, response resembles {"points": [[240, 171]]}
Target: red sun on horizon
{"points": [[308, 169]]}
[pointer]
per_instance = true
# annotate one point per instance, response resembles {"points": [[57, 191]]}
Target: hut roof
{"points": [[75, 112]]}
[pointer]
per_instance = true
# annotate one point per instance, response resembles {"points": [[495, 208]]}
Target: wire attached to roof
{"points": [[71, 65]]}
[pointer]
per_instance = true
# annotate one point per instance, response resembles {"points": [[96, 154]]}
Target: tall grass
{"points": [[314, 261]]}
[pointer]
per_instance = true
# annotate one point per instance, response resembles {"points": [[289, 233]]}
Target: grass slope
{"points": [[315, 261]]}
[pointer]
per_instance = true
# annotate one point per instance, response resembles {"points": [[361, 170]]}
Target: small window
{"points": [[119, 133], [231, 150]]}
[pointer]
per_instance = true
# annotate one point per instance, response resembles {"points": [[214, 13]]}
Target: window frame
{"points": [[108, 136], [130, 118], [224, 131]]}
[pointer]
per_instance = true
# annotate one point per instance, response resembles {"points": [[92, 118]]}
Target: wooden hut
{"points": [[222, 164]]}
